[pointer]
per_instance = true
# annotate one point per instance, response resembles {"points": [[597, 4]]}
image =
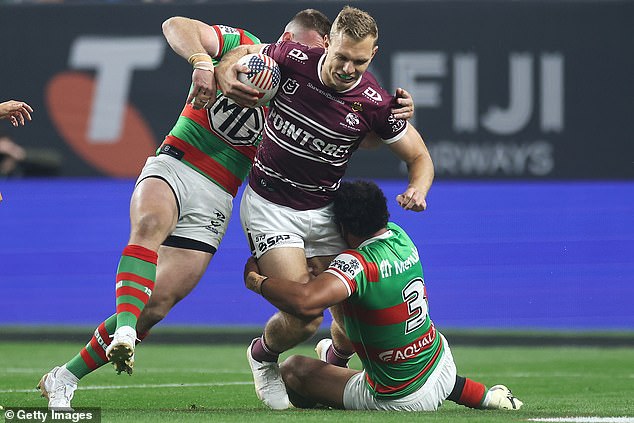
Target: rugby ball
{"points": [[264, 75]]}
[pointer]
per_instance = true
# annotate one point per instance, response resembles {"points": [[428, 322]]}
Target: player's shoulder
{"points": [[297, 52], [372, 93]]}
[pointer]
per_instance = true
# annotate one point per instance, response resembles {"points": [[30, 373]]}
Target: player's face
{"points": [[346, 60]]}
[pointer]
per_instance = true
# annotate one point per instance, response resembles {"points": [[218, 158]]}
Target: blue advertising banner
{"points": [[496, 255]]}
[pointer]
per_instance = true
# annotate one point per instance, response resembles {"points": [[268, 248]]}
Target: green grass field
{"points": [[192, 383]]}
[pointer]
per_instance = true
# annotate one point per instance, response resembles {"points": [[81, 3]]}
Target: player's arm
{"points": [[412, 150], [404, 109], [305, 301], [197, 43], [227, 76]]}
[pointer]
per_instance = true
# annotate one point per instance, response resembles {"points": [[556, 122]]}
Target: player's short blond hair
{"points": [[355, 23]]}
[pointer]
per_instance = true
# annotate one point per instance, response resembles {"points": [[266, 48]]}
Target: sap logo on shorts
{"points": [[348, 264], [290, 86], [372, 94], [396, 124], [298, 55], [272, 241]]}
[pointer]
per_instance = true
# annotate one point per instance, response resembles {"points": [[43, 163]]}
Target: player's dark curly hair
{"points": [[361, 208]]}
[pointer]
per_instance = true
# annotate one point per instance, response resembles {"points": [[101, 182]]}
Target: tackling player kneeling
{"points": [[379, 287]]}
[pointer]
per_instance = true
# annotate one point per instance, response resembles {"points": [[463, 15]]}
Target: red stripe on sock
{"points": [[141, 253], [88, 359], [134, 292], [103, 332], [472, 394], [133, 277], [130, 308], [98, 349]]}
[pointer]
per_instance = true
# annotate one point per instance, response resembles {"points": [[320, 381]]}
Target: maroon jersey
{"points": [[312, 130]]}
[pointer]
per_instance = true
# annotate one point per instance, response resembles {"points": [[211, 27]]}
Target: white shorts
{"points": [[268, 225], [357, 395], [204, 208]]}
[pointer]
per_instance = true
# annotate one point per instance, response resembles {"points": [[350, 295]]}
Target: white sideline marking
{"points": [[142, 386], [586, 419]]}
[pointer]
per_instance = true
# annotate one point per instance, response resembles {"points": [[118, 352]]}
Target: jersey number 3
{"points": [[415, 297]]}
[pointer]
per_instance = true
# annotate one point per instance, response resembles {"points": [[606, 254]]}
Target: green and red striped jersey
{"points": [[386, 314], [220, 143]]}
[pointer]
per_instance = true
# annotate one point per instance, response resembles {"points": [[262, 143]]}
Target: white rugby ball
{"points": [[264, 75]]}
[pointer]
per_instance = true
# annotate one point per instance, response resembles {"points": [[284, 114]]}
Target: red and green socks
{"points": [[135, 281]]}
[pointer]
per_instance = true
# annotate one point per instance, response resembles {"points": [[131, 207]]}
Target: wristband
{"points": [[208, 66], [199, 57]]}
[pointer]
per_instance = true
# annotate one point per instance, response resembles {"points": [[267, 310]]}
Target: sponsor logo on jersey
{"points": [[298, 55], [357, 106], [326, 94], [305, 139], [347, 264], [396, 124], [372, 94], [227, 29], [267, 242], [290, 86], [237, 125], [411, 350]]}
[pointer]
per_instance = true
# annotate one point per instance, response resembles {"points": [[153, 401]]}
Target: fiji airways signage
{"points": [[511, 136]]}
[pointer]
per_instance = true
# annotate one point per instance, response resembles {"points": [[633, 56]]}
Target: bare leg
{"points": [[313, 381]]}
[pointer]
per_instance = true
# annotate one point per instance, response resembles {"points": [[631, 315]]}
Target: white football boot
{"points": [[499, 397], [120, 352], [322, 349], [58, 386], [269, 385]]}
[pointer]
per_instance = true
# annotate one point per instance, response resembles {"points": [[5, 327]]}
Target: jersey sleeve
{"points": [[230, 38], [347, 268], [286, 52], [388, 127]]}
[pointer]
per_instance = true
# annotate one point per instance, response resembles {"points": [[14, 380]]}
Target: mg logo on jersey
{"points": [[298, 55], [372, 94], [290, 86], [238, 125]]}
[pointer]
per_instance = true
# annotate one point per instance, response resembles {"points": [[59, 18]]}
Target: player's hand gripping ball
{"points": [[264, 75]]}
